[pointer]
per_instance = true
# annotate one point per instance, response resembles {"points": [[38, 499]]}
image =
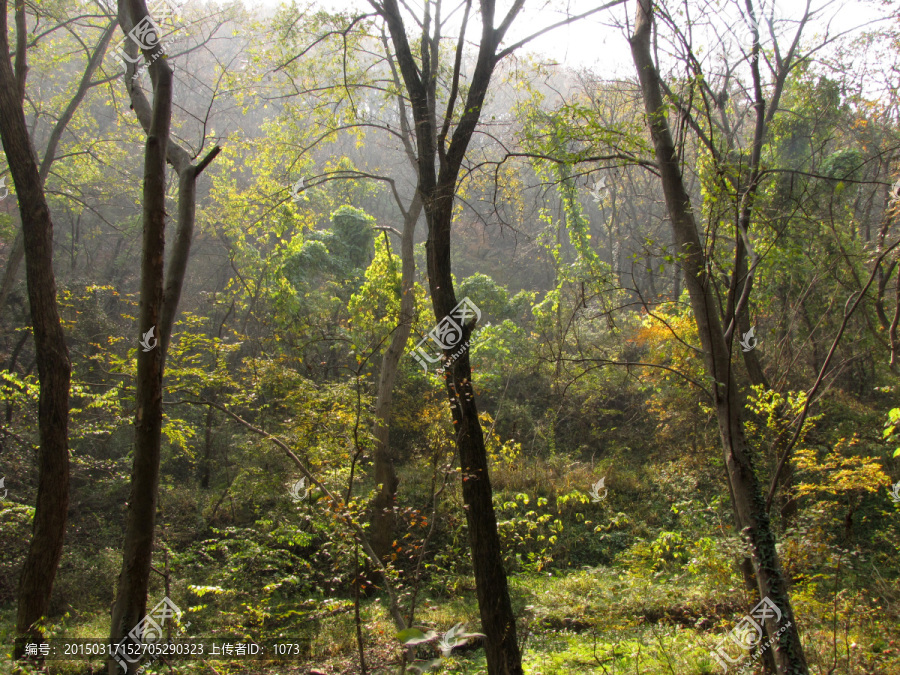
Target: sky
{"points": [[597, 42]]}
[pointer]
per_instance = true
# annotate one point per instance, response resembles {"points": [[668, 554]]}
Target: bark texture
{"points": [[51, 353], [131, 595], [747, 498]]}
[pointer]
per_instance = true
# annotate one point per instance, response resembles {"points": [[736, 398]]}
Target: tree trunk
{"points": [[206, 461], [751, 358], [16, 253], [497, 618], [383, 517], [158, 308], [52, 356], [437, 189], [131, 595], [747, 498]]}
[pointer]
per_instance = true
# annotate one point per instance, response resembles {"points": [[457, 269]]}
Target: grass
{"points": [[601, 620]]}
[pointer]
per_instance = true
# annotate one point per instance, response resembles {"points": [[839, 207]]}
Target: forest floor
{"points": [[602, 620]]}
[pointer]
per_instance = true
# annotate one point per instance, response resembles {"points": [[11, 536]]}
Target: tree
{"points": [[437, 189], [749, 504], [354, 109], [39, 571], [54, 370], [94, 59], [158, 306], [383, 457], [438, 170]]}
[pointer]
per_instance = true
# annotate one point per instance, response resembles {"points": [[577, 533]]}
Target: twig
{"points": [[434, 502], [801, 418], [359, 637], [834, 618], [663, 647], [335, 502]]}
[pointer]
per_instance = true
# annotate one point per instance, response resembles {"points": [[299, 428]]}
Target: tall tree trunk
{"points": [[497, 618], [437, 189], [131, 595], [747, 498], [383, 517], [52, 356], [158, 308]]}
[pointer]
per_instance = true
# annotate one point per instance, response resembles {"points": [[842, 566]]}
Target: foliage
{"points": [[586, 360]]}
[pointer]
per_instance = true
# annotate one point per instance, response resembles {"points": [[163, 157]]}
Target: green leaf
{"points": [[413, 636], [200, 591]]}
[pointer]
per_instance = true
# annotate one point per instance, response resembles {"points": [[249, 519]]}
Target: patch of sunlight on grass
{"points": [[650, 651]]}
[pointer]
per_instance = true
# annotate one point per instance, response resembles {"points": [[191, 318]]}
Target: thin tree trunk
{"points": [[757, 377], [158, 308], [131, 595], [751, 358], [747, 497], [437, 190], [16, 254], [383, 517], [206, 461], [10, 366], [497, 618], [52, 356]]}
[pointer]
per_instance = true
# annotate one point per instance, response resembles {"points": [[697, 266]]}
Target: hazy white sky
{"points": [[597, 43]]}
